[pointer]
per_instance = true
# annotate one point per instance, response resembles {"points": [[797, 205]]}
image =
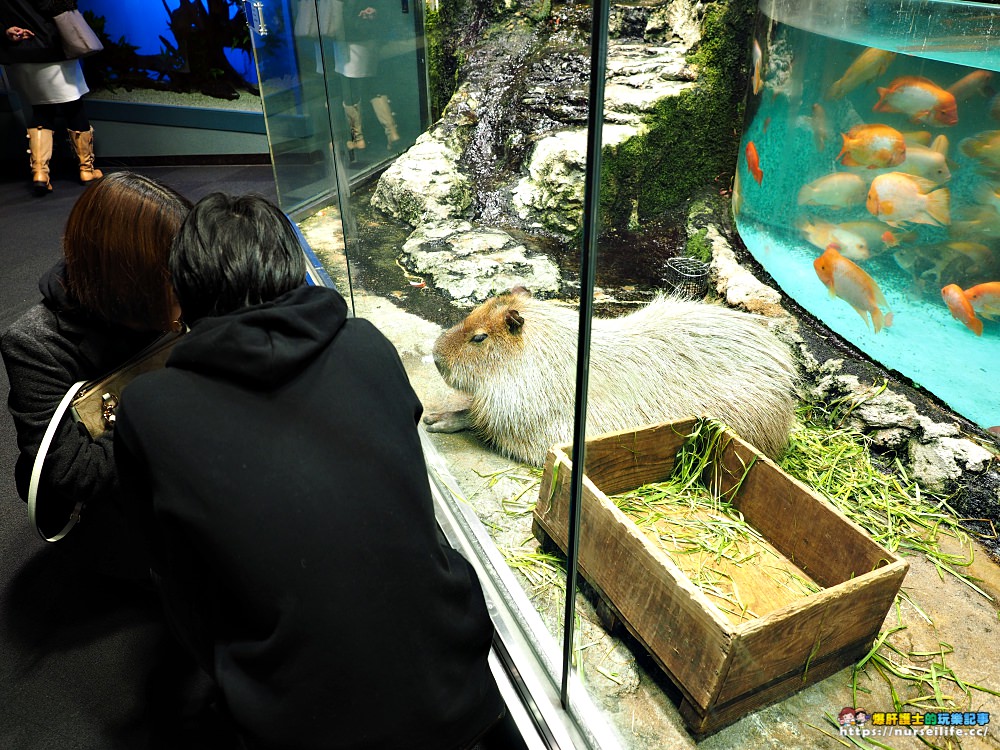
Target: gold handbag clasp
{"points": [[109, 402]]}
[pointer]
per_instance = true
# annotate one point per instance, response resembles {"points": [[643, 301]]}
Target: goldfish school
{"points": [[868, 186]]}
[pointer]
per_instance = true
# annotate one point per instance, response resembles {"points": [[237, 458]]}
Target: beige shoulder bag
{"points": [[93, 403]]}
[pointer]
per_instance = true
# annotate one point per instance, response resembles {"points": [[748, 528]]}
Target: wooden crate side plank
{"points": [[821, 624], [703, 723], [667, 612], [621, 461], [665, 621], [552, 512], [703, 703], [804, 527]]}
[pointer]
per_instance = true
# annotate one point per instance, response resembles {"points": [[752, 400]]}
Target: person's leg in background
{"points": [[367, 89], [40, 131], [81, 135], [383, 112], [40, 134], [354, 93]]}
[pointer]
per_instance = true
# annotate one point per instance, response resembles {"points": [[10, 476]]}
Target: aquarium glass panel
{"points": [[868, 182], [387, 266], [299, 129], [344, 92], [370, 56], [488, 198]]}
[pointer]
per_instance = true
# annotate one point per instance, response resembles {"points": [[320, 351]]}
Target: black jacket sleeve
{"points": [[36, 16], [41, 369]]}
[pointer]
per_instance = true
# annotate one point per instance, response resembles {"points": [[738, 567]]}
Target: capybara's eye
{"points": [[478, 338]]}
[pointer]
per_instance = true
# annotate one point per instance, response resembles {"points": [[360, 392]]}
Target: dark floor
{"points": [[85, 662]]}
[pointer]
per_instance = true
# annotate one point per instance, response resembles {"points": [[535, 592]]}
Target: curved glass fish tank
{"points": [[868, 183]]}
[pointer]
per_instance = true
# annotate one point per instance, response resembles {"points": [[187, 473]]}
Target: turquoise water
{"points": [[784, 122]]}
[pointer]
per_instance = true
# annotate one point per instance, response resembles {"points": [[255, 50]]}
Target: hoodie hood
{"points": [[264, 345]]}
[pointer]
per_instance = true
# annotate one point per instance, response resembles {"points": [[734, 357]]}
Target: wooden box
{"points": [[724, 666]]}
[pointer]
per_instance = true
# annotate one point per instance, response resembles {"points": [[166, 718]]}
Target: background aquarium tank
{"points": [[180, 46], [868, 182]]}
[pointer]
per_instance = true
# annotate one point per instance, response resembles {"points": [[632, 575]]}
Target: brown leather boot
{"points": [[353, 112], [83, 144], [383, 111], [39, 155]]}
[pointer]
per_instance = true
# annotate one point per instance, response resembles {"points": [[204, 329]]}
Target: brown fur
{"points": [[516, 357]]}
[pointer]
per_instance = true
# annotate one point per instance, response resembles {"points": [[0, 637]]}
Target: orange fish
{"points": [[976, 82], [985, 299], [823, 234], [753, 162], [920, 98], [917, 138], [846, 280], [929, 163], [869, 65], [737, 195], [984, 147], [899, 198], [961, 308], [877, 237], [980, 256], [757, 82], [889, 239], [976, 223], [872, 146], [988, 195], [838, 190]]}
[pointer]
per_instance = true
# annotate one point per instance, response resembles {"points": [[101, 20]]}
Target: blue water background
{"points": [[143, 22], [924, 342]]}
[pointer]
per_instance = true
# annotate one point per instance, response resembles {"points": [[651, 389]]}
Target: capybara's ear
{"points": [[514, 321], [520, 290]]}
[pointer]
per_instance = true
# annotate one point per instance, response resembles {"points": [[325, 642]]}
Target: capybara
{"points": [[515, 355]]}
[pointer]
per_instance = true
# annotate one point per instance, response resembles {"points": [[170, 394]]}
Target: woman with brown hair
{"points": [[107, 299]]}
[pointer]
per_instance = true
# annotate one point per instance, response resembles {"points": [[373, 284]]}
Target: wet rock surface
{"points": [[472, 264], [509, 152]]}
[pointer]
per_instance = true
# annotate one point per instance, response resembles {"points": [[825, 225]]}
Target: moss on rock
{"points": [[699, 247], [693, 138]]}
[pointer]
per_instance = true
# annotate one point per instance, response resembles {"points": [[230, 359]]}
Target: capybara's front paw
{"points": [[447, 421]]}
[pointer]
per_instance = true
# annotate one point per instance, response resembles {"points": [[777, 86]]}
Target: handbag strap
{"points": [[36, 469]]}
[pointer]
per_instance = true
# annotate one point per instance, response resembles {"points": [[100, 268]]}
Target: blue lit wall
{"points": [[143, 22]]}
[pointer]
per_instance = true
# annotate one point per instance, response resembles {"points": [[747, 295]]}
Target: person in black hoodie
{"points": [[287, 503], [106, 300]]}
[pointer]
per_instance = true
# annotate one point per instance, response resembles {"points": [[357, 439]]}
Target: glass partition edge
{"points": [[524, 719], [531, 648]]}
